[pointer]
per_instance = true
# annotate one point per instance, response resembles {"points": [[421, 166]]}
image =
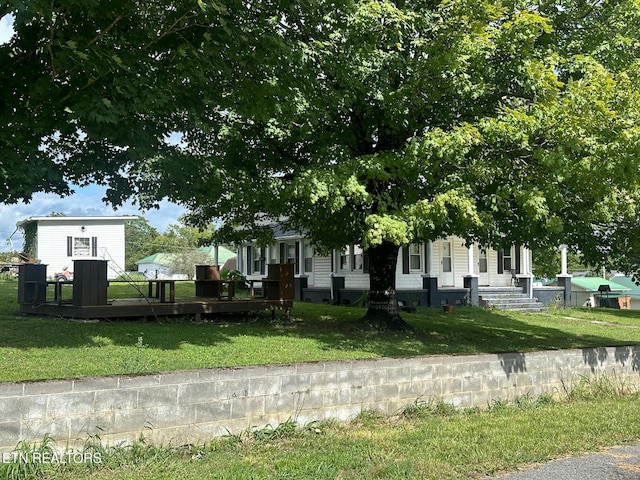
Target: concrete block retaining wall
{"points": [[195, 406]]}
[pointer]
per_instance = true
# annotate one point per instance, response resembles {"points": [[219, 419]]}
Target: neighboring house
{"points": [[434, 273], [159, 265], [634, 290], [598, 292], [58, 241]]}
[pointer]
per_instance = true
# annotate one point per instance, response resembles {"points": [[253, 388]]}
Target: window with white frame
{"points": [[291, 252], [415, 257], [82, 246], [344, 258], [256, 256], [308, 258], [358, 257], [506, 260]]}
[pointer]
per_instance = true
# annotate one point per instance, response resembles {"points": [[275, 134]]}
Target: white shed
{"points": [[58, 241]]}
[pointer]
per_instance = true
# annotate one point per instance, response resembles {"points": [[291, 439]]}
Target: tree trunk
{"points": [[383, 305]]}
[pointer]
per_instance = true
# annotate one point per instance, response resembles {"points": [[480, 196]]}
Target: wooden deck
{"points": [[152, 307], [90, 300]]}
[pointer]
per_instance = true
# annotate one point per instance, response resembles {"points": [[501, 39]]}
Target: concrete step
{"points": [[509, 298]]}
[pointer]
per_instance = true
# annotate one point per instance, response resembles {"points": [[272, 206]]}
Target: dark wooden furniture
{"points": [[57, 289], [208, 281], [32, 283], [90, 282], [161, 290], [279, 282]]}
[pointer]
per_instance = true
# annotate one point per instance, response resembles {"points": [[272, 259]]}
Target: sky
{"points": [[85, 202]]}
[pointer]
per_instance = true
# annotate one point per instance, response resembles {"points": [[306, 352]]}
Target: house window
{"points": [[291, 253], [415, 259], [357, 257], [257, 256], [308, 258], [506, 260], [344, 259]]}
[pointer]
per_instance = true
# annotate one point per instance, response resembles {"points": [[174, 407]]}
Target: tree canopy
{"points": [[377, 123]]}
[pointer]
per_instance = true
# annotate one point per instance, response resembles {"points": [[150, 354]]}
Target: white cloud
{"points": [[6, 28], [87, 201]]}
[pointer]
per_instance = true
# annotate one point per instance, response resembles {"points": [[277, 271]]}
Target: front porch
{"points": [[522, 296]]}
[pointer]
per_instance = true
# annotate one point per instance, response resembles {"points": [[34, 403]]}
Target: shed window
{"points": [[82, 247]]}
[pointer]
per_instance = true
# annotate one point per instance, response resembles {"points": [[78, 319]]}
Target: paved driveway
{"points": [[617, 463]]}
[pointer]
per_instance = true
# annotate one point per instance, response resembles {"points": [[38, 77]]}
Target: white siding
{"points": [[322, 272], [52, 243], [357, 279], [460, 261]]}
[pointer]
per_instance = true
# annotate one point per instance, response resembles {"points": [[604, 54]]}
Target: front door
{"points": [[483, 268], [446, 265]]}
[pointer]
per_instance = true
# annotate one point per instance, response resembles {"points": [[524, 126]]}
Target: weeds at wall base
{"points": [[287, 435]]}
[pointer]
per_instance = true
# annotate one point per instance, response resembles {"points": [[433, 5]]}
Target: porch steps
{"points": [[509, 298]]}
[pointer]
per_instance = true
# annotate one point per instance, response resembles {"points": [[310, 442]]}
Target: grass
{"points": [[35, 348]]}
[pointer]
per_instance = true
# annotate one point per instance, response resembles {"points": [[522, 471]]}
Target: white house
{"points": [[58, 241], [433, 273]]}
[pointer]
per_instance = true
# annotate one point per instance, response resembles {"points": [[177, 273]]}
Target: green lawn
{"points": [[37, 348]]}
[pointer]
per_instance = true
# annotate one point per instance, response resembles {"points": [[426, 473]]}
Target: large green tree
{"points": [[387, 122], [378, 123]]}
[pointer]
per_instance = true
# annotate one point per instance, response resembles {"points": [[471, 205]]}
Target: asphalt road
{"points": [[616, 463]]}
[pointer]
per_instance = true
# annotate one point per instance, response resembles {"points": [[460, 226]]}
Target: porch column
{"points": [[299, 254], [527, 273], [430, 279], [471, 280], [430, 266], [563, 278], [240, 260], [301, 280], [563, 260], [215, 254]]}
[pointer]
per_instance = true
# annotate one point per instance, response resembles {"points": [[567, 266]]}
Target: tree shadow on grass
{"points": [[468, 331], [333, 333]]}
